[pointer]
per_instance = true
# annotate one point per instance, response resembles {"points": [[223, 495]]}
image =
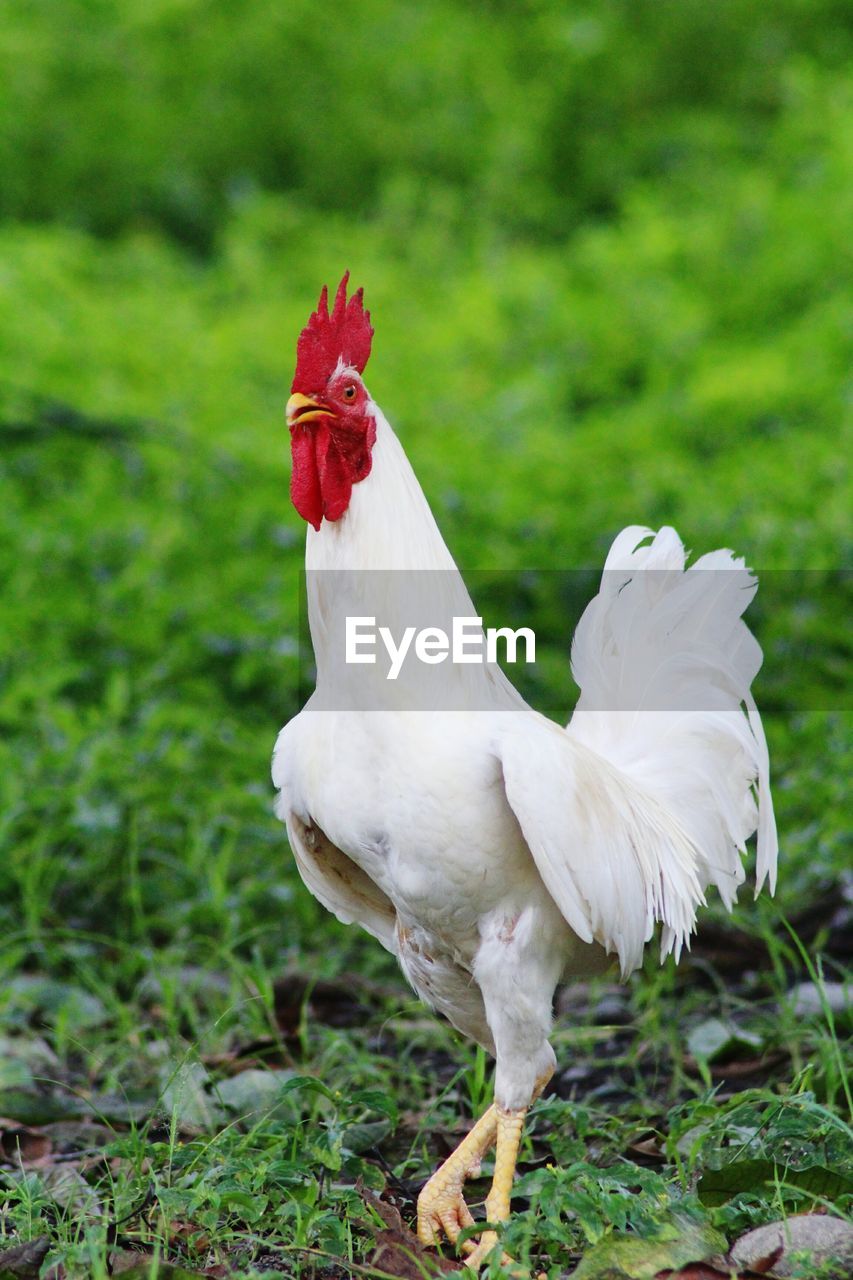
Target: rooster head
{"points": [[332, 427]]}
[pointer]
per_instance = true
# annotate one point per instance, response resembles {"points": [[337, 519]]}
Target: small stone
{"points": [[806, 998], [826, 1242]]}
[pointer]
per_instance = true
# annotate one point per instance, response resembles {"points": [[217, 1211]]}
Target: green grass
{"points": [[208, 1130], [643, 319], [148, 900]]}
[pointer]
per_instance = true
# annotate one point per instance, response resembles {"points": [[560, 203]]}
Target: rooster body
{"points": [[494, 852]]}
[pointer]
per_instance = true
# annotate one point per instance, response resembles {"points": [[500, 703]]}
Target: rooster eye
{"points": [[349, 392]]}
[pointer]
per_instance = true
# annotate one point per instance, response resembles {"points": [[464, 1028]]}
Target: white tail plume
{"points": [[664, 662]]}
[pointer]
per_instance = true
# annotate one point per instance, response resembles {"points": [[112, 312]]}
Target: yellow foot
{"points": [[484, 1247], [441, 1206], [444, 1212], [508, 1137]]}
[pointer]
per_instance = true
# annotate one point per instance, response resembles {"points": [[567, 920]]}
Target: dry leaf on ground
{"points": [[398, 1251]]}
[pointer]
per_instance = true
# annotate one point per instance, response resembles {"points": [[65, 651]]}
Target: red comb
{"points": [[345, 334]]}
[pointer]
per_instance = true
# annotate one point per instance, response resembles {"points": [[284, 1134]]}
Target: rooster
{"points": [[492, 851]]}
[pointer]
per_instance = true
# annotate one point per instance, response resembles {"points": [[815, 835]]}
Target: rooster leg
{"points": [[510, 1124], [508, 1138], [441, 1206]]}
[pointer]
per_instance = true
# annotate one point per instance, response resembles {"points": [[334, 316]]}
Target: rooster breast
{"points": [[415, 806]]}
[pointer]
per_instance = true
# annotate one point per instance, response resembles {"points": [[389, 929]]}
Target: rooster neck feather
{"points": [[388, 523], [385, 558]]}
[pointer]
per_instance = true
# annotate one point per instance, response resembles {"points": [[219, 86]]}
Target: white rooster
{"points": [[494, 852]]}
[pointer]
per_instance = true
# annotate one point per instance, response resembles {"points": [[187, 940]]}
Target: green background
{"points": [[606, 249]]}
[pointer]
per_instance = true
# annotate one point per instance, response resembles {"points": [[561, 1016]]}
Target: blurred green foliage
{"points": [[537, 114], [605, 248]]}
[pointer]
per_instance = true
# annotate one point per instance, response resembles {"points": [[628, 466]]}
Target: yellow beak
{"points": [[303, 409]]}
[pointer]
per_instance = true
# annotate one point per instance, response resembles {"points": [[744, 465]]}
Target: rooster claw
{"points": [[443, 1212], [482, 1251]]}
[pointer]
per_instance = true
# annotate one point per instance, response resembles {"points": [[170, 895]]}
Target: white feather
{"points": [[490, 848], [664, 663]]}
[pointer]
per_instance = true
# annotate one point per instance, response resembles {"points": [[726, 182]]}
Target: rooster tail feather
{"points": [[664, 662]]}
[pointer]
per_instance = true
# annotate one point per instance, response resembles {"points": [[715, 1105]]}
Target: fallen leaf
{"points": [[185, 1094], [70, 1189], [24, 1261], [42, 1106], [826, 1241], [359, 1138], [24, 1056], [254, 1091], [648, 1150], [717, 1186], [628, 1258], [808, 998], [21, 1144], [398, 1251], [124, 1260], [38, 996], [714, 1039], [180, 1232], [70, 1137], [34, 1107]]}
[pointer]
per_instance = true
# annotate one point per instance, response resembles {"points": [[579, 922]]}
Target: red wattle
{"points": [[305, 489], [335, 474], [326, 465]]}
